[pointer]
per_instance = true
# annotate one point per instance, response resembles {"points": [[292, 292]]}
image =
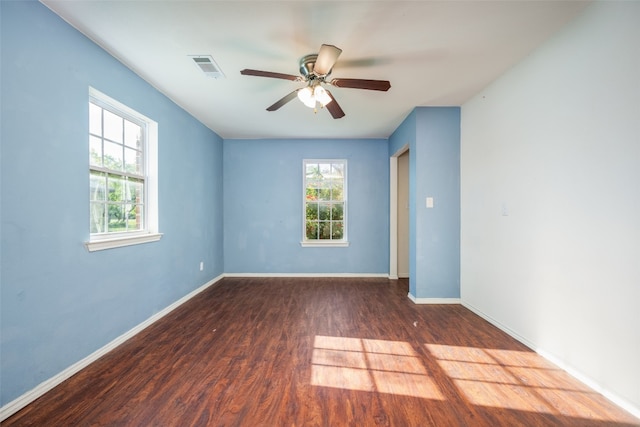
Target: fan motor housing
{"points": [[307, 64]]}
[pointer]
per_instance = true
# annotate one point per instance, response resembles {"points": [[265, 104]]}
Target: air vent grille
{"points": [[208, 66]]}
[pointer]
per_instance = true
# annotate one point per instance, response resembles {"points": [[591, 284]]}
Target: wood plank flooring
{"points": [[320, 352]]}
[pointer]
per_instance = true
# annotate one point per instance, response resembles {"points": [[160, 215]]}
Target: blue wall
{"points": [[59, 303], [404, 134], [433, 135], [263, 207], [437, 174]]}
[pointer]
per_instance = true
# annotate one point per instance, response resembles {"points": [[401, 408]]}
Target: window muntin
{"points": [[325, 201], [117, 144]]}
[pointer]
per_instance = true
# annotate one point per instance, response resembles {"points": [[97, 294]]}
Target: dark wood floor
{"points": [[320, 352]]}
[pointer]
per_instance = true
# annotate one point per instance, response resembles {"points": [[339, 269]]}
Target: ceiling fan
{"points": [[314, 71]]}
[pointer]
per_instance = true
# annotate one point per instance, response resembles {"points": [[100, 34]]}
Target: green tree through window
{"points": [[325, 200]]}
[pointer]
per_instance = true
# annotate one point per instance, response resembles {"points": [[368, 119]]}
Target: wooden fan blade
{"points": [[333, 107], [248, 72], [382, 85], [327, 57], [283, 100]]}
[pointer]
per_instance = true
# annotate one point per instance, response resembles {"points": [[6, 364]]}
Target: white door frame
{"points": [[393, 212]]}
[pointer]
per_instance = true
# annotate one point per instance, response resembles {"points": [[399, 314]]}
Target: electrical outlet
{"points": [[504, 209]]}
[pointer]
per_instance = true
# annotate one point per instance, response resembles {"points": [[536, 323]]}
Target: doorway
{"points": [[399, 229], [403, 215]]}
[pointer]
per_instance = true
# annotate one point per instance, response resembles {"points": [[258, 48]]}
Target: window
{"points": [[122, 175], [325, 203]]}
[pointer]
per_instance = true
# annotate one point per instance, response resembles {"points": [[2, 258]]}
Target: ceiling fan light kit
{"points": [[321, 95], [310, 96], [315, 70]]}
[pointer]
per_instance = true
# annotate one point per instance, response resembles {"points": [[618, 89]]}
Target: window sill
{"points": [[325, 244], [99, 245]]}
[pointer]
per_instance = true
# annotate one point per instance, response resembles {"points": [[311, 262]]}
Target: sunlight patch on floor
{"points": [[370, 365], [518, 380]]}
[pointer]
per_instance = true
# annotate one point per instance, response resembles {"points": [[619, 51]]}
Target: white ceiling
{"points": [[435, 53]]}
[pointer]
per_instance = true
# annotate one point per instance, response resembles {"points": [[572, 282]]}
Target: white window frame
{"points": [[150, 233], [328, 242]]}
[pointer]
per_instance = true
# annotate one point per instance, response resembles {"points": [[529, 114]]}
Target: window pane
{"points": [[98, 186], [95, 151], [313, 177], [324, 211], [315, 182], [311, 170], [337, 212], [97, 218], [337, 170], [325, 169], [135, 191], [132, 135], [113, 126], [337, 230], [134, 219], [312, 194], [113, 156], [312, 230], [324, 230], [115, 184], [95, 119], [116, 218], [324, 193], [337, 191], [133, 161], [140, 217], [312, 211]]}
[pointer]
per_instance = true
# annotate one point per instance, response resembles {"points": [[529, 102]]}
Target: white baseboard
{"points": [[588, 381], [433, 300], [15, 405], [378, 275], [500, 326]]}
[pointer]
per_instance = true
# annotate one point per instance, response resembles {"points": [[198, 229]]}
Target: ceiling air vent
{"points": [[207, 65]]}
